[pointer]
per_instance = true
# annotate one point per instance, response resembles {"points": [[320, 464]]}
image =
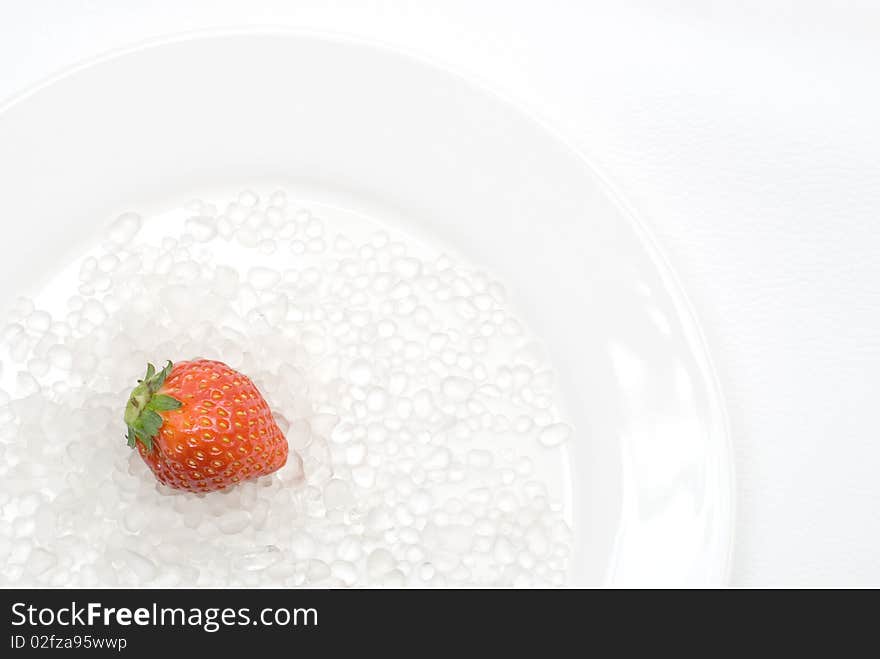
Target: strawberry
{"points": [[203, 426]]}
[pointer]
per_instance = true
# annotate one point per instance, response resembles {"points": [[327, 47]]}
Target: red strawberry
{"points": [[203, 426]]}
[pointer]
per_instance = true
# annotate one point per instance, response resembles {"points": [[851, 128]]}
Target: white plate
{"points": [[375, 131]]}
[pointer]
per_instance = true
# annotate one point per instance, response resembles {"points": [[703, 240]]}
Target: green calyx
{"points": [[142, 410]]}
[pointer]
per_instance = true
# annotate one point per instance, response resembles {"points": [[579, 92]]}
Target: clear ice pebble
{"points": [[337, 495], [26, 384], [278, 199], [263, 278], [234, 521], [323, 424], [480, 459], [360, 373], [363, 476], [317, 570], [555, 434], [203, 229], [39, 561], [124, 228], [355, 454], [503, 551], [379, 520], [259, 559], [394, 579], [457, 389], [439, 458], [39, 321], [350, 549], [423, 403], [141, 566], [420, 502], [248, 198], [60, 356], [379, 563], [134, 519], [344, 571], [406, 267], [437, 341], [299, 434], [537, 541], [38, 367], [94, 312], [293, 470], [377, 399]]}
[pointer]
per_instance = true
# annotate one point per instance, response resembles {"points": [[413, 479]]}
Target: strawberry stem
{"points": [[144, 404]]}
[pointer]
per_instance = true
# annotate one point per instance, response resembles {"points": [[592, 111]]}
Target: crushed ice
{"points": [[406, 386]]}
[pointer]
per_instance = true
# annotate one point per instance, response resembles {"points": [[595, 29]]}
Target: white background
{"points": [[747, 135]]}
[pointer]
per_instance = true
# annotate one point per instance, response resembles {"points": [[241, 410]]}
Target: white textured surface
{"points": [[746, 136]]}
